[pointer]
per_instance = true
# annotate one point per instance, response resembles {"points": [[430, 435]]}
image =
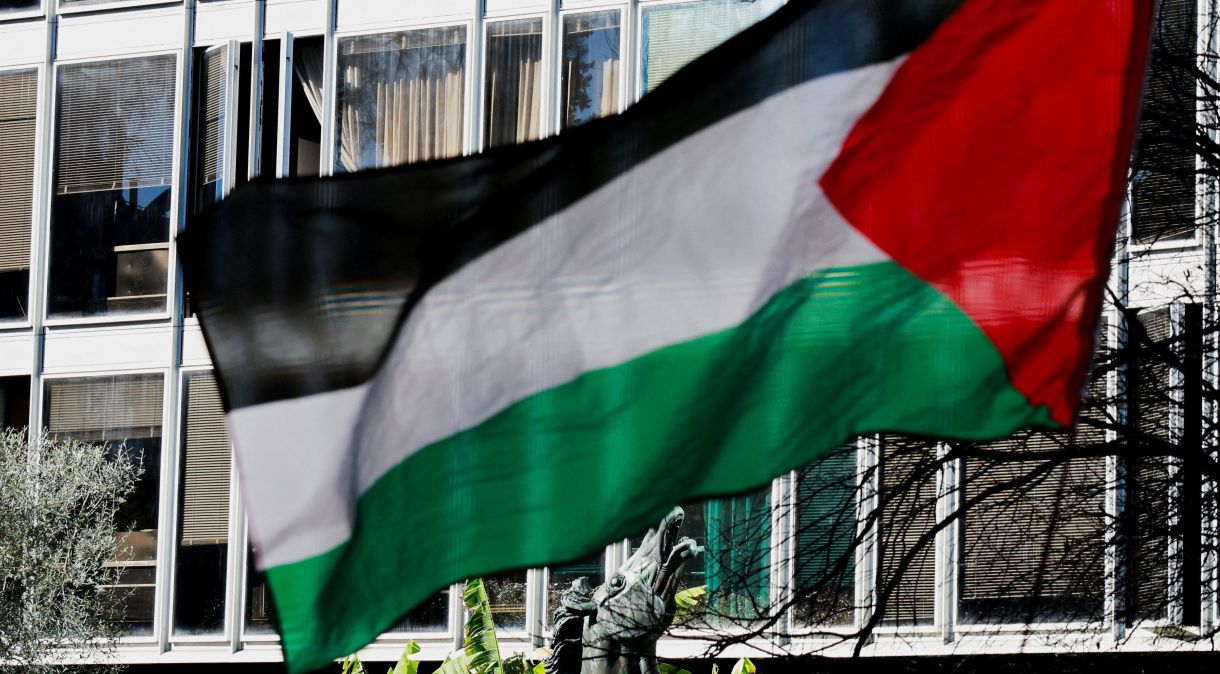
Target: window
{"points": [[734, 569], [260, 608], [908, 516], [1163, 191], [18, 93], [400, 97], [110, 215], [214, 168], [512, 96], [1161, 526], [430, 616], [15, 6], [203, 522], [824, 548], [506, 594], [305, 126], [14, 402], [559, 578], [589, 86], [121, 412], [1033, 542], [1033, 545], [673, 35]]}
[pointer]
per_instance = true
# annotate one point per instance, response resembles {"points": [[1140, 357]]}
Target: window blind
{"points": [[1033, 549], [1163, 189], [214, 73], [18, 94], [102, 409], [674, 35], [825, 536], [115, 125], [206, 465], [908, 491]]}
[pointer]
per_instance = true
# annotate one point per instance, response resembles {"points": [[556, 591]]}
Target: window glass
{"points": [[305, 127], [400, 97], [559, 578], [124, 414], [1033, 545], [506, 592], [908, 513], [14, 402], [824, 554], [589, 71], [14, 6], [1163, 185], [203, 521], [430, 616], [732, 577], [512, 97], [111, 209], [211, 110], [260, 609], [673, 35], [18, 93]]}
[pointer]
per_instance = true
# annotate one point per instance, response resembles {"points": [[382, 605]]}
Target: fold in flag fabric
{"points": [[857, 216]]}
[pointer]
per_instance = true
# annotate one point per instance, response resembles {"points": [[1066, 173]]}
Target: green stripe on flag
{"points": [[847, 351]]}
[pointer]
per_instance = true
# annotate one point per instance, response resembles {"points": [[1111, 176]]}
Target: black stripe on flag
{"points": [[301, 284]]}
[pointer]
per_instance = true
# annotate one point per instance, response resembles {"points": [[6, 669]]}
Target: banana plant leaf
{"points": [[481, 647]]}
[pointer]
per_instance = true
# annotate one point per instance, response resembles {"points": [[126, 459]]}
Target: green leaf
{"points": [[405, 664], [667, 668], [539, 668], [515, 664], [481, 647], [744, 666], [456, 663], [352, 665], [689, 601]]}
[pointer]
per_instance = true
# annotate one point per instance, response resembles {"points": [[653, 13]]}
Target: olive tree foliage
{"points": [[1079, 539], [58, 505]]}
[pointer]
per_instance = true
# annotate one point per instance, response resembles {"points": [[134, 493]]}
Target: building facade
{"points": [[121, 119]]}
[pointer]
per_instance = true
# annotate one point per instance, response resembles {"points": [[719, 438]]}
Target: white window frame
{"points": [[36, 213], [172, 290], [165, 498], [330, 142]]}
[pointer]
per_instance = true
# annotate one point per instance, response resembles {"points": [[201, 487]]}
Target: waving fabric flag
{"points": [[857, 216]]}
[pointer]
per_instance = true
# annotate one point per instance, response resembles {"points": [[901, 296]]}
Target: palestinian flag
{"points": [[857, 216]]}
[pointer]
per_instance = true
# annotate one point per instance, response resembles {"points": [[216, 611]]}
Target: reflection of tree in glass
{"points": [[590, 49]]}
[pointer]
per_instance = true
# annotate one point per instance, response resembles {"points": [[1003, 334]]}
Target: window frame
{"points": [[38, 211], [62, 7], [549, 73], [165, 497], [172, 289], [330, 78], [627, 70], [234, 563]]}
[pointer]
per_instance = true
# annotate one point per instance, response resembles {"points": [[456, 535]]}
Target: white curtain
{"points": [[401, 99]]}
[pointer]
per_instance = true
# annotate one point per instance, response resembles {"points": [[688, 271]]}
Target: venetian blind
{"points": [[115, 124], [1163, 191], [1148, 484], [213, 101], [206, 465], [908, 492], [18, 93], [825, 533], [674, 35], [98, 409], [1033, 540]]}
